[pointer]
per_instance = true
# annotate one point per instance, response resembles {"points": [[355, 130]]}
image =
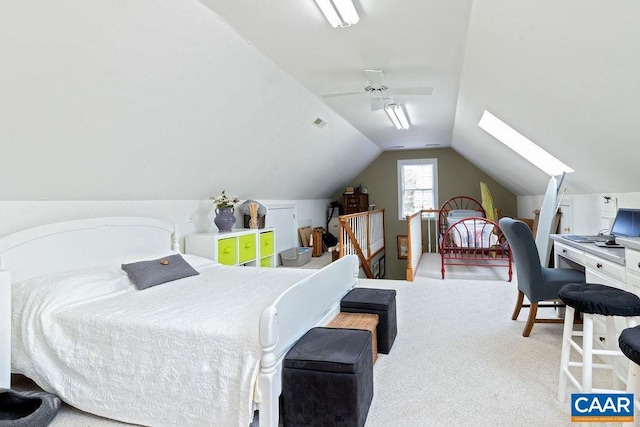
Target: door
{"points": [[283, 219]]}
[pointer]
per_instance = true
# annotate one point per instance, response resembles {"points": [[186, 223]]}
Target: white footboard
{"points": [[311, 302], [5, 329]]}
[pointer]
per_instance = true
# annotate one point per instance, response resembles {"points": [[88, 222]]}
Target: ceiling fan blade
{"points": [[336, 94], [375, 77], [412, 90]]}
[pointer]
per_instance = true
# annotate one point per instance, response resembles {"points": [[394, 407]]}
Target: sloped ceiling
{"points": [[163, 100], [562, 73], [138, 100], [565, 74], [415, 43]]}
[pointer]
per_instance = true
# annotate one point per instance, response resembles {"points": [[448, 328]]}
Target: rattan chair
{"points": [[537, 283]]}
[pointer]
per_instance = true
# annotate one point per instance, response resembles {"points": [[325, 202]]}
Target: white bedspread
{"points": [[182, 353]]}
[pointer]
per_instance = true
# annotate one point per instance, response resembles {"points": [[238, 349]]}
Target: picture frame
{"points": [[375, 269], [381, 263], [403, 246]]}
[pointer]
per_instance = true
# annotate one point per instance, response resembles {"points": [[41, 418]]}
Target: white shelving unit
{"points": [[254, 247]]}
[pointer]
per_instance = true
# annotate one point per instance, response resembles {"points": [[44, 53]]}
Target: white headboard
{"points": [[85, 243]]}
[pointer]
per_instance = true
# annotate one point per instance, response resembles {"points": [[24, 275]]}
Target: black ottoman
{"points": [[377, 301], [327, 379], [27, 408]]}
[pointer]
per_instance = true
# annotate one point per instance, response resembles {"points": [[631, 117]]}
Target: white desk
{"points": [[601, 265], [617, 267]]}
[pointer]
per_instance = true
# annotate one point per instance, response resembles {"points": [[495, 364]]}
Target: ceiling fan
{"points": [[380, 94]]}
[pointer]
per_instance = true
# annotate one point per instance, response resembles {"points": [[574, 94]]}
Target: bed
{"points": [[468, 238], [202, 350]]}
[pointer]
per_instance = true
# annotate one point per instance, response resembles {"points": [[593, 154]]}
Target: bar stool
{"points": [[592, 299], [629, 343]]}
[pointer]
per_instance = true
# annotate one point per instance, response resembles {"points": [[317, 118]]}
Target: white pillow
{"points": [[474, 234], [198, 262]]}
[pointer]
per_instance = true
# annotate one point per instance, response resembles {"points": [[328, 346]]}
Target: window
{"points": [[522, 145], [417, 186]]}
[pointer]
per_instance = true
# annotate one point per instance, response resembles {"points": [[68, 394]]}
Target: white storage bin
{"points": [[295, 257]]}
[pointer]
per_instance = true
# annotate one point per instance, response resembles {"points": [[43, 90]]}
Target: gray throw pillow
{"points": [[145, 274]]}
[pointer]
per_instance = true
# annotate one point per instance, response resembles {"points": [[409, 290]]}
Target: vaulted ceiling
{"points": [[562, 73], [415, 43], [179, 99], [148, 100]]}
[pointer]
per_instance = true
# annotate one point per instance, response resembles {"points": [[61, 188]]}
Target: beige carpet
{"points": [[458, 358]]}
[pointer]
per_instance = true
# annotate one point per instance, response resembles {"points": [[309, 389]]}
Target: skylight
{"points": [[522, 145]]}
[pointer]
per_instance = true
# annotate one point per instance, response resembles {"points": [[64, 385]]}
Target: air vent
{"points": [[320, 122], [432, 145]]}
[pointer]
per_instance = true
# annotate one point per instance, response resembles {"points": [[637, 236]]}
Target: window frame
{"points": [[401, 163], [522, 145]]}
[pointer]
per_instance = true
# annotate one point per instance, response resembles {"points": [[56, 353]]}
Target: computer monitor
{"points": [[627, 223]]}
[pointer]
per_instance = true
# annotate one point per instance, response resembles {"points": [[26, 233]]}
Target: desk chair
{"points": [[536, 282]]}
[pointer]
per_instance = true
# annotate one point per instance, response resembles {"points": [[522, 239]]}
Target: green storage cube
{"points": [[265, 262], [247, 248], [227, 251], [266, 243]]}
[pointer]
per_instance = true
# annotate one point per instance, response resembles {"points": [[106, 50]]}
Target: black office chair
{"points": [[535, 282]]}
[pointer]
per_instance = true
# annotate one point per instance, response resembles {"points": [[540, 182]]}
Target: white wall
{"points": [[585, 209], [148, 108], [190, 216]]}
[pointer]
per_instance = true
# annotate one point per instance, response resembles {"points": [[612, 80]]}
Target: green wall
{"points": [[456, 177]]}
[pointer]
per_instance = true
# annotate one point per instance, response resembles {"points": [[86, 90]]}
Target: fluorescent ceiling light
{"points": [[339, 12], [522, 145], [397, 115]]}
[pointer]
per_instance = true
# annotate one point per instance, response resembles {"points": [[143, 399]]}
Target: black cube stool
{"points": [[327, 379], [592, 299], [27, 408], [377, 301]]}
